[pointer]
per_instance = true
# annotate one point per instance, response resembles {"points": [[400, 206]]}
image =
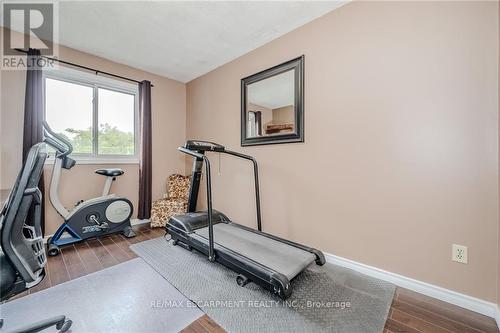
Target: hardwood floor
{"points": [[91, 256], [410, 312]]}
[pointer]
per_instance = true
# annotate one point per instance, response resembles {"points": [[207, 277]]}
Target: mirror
{"points": [[272, 105]]}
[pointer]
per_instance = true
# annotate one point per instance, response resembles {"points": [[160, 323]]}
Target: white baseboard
{"points": [[139, 221], [471, 303]]}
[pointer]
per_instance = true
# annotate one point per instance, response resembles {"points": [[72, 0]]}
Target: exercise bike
{"points": [[94, 217]]}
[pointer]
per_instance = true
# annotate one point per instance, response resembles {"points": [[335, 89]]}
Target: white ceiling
{"points": [[274, 92], [180, 40]]}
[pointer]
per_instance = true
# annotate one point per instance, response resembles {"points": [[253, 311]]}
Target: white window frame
{"points": [[94, 81]]}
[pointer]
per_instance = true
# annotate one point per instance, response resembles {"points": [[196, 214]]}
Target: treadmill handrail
{"points": [[190, 152], [240, 155], [211, 255], [256, 183]]}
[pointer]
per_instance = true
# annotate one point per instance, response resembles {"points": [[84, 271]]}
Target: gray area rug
{"points": [[325, 299], [117, 299]]}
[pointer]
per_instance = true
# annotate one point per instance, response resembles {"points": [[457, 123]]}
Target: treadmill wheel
{"points": [[242, 280]]}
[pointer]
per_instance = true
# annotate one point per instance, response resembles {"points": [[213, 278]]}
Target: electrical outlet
{"points": [[165, 195], [459, 253]]}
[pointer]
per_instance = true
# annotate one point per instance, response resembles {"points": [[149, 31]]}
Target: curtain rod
{"points": [[96, 71]]}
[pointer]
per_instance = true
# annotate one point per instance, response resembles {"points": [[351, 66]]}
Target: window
{"points": [[251, 128], [254, 124], [98, 115]]}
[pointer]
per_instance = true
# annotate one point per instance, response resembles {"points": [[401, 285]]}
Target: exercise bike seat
{"points": [[110, 172]]}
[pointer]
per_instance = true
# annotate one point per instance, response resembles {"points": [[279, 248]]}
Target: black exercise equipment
{"points": [[22, 255], [267, 260]]}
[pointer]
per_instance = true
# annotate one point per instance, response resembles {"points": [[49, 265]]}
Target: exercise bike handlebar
{"points": [[57, 141]]}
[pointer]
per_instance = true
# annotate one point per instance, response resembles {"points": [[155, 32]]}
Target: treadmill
{"points": [[270, 261]]}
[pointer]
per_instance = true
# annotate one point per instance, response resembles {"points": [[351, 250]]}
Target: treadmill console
{"points": [[202, 146]]}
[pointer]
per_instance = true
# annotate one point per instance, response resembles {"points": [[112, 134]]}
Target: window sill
{"points": [[50, 161]]}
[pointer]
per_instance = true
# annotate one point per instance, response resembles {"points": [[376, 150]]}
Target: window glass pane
{"points": [[68, 109], [116, 123], [251, 128]]}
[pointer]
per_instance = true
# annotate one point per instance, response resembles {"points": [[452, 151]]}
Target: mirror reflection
{"points": [[270, 108]]}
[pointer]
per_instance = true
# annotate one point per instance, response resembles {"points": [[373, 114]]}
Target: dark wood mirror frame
{"points": [[297, 65]]}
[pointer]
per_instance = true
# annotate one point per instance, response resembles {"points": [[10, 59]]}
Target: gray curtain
{"points": [[258, 122], [145, 170], [33, 112]]}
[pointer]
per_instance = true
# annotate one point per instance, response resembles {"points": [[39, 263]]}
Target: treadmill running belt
{"points": [[280, 257]]}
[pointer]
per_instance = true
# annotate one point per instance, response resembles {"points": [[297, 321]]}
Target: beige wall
{"points": [[168, 118], [403, 97], [284, 115], [401, 147], [498, 239]]}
